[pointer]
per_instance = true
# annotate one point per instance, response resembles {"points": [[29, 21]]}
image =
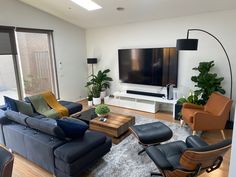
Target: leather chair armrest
{"points": [[206, 121], [194, 141], [158, 158], [193, 106]]}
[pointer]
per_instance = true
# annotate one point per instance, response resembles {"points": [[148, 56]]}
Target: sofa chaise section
{"points": [[73, 157]]}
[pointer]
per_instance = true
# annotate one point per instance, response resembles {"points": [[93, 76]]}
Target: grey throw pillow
{"points": [[24, 108]]}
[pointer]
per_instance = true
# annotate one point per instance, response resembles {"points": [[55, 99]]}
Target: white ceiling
{"points": [[135, 10]]}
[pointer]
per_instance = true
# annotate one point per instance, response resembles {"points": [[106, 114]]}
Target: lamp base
{"points": [[229, 124]]}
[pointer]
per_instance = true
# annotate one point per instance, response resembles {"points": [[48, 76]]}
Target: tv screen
{"points": [[149, 66]]}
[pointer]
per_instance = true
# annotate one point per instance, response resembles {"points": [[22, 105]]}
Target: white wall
{"points": [[69, 40], [105, 42], [232, 169]]}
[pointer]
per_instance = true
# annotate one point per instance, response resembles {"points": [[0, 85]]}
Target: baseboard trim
{"points": [[229, 124]]}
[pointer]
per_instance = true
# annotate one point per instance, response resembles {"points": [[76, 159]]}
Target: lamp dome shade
{"points": [[187, 44]]}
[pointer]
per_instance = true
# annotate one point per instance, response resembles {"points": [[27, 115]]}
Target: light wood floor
{"points": [[25, 168]]}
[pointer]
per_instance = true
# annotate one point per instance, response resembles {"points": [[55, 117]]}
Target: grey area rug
{"points": [[123, 159]]}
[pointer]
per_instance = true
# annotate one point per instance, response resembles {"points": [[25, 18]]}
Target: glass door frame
{"points": [[52, 57], [16, 58], [11, 31]]}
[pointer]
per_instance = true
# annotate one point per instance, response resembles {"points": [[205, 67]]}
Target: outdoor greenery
{"points": [[206, 82], [102, 109]]}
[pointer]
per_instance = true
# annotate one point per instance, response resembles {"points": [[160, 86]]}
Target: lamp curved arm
{"points": [[230, 69]]}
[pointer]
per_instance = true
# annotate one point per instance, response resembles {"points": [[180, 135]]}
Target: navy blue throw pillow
{"points": [[10, 103], [72, 128]]}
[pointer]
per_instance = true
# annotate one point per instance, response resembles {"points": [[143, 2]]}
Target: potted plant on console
{"points": [[102, 80], [96, 95], [102, 110]]}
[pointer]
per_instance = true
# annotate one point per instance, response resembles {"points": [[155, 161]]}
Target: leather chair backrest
{"points": [[6, 163], [206, 156], [218, 105]]}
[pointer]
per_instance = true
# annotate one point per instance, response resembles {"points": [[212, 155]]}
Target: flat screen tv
{"points": [[148, 66]]}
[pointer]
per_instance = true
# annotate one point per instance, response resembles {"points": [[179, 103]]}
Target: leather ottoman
{"points": [[151, 133]]}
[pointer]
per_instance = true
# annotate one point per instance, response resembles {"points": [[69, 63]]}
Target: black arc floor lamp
{"points": [[92, 61], [192, 44]]}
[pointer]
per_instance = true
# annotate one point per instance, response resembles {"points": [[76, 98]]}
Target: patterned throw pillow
{"points": [[24, 108]]}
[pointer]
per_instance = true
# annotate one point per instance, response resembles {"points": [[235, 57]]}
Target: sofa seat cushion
{"points": [[188, 114], [72, 128], [71, 106], [73, 150]]}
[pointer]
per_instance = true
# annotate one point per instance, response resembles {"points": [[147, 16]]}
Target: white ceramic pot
{"points": [[96, 101], [103, 94], [90, 103]]}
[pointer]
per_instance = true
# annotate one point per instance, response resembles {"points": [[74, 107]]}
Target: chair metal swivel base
{"points": [[140, 152], [156, 174]]}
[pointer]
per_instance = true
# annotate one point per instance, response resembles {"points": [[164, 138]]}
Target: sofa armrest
{"points": [[193, 106], [3, 117], [194, 141]]}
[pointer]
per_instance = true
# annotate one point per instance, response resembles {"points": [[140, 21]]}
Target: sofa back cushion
{"points": [[16, 117], [46, 125]]}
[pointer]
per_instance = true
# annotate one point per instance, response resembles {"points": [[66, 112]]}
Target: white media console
{"points": [[138, 102]]}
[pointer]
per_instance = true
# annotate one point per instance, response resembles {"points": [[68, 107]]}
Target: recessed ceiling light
{"points": [[87, 4], [120, 8]]}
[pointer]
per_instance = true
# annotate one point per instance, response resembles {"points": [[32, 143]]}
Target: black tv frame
{"points": [[177, 63]]}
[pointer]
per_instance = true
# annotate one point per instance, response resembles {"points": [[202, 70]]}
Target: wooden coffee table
{"points": [[116, 126]]}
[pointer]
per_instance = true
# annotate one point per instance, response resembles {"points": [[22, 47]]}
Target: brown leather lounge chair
{"points": [[187, 159], [6, 162], [212, 116]]}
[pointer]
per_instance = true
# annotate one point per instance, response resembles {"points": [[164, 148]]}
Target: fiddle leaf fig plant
{"points": [[206, 81]]}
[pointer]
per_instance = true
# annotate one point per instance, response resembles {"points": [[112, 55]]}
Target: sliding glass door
{"points": [[8, 77], [36, 61], [8, 84], [31, 70]]}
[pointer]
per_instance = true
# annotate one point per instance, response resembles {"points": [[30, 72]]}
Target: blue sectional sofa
{"points": [[42, 141]]}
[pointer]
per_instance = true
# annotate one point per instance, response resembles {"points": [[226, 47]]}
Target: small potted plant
{"points": [[90, 99], [102, 110], [96, 95]]}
